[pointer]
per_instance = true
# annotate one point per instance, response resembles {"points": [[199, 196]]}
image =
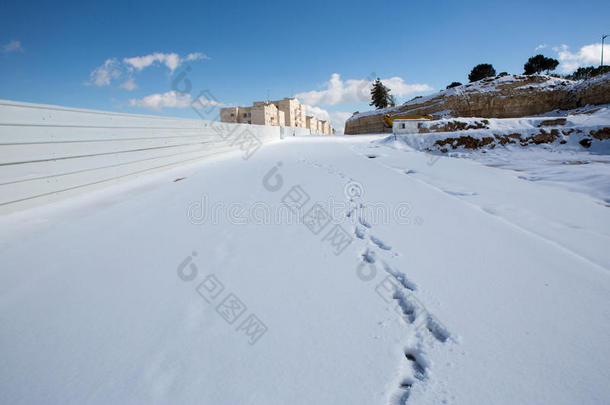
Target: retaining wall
{"points": [[50, 152]]}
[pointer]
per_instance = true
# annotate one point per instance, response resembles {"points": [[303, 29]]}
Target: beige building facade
{"points": [[294, 112], [261, 113], [236, 115], [264, 113], [324, 128], [286, 112], [311, 123]]}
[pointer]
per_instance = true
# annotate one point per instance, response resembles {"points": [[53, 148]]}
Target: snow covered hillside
{"points": [[322, 270], [587, 128], [502, 96], [568, 147]]}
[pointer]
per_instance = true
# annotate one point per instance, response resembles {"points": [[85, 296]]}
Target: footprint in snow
{"points": [[369, 256], [419, 365], [380, 244], [400, 277], [403, 395], [364, 222], [437, 330], [360, 232]]}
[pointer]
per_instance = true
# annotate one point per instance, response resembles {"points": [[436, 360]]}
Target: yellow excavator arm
{"points": [[389, 120]]}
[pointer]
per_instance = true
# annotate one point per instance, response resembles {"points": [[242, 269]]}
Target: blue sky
{"points": [[124, 56]]}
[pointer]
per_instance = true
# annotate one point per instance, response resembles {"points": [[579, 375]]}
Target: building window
{"points": [[232, 115], [403, 126], [245, 115]]}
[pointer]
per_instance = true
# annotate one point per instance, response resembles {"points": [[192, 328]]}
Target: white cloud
{"points": [[337, 119], [350, 91], [586, 56], [171, 99], [113, 69], [171, 60], [13, 46], [196, 56], [539, 47], [353, 91], [103, 75], [399, 88], [129, 84], [317, 112]]}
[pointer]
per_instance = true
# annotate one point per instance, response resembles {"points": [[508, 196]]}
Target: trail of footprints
{"points": [[412, 310]]}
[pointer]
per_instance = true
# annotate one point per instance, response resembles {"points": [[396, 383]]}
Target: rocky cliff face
{"points": [[509, 96]]}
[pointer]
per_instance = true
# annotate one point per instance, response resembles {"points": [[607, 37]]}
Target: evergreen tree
{"points": [[481, 72], [584, 73], [380, 95], [539, 63], [454, 84]]}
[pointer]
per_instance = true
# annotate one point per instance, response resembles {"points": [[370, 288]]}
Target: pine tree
{"points": [[380, 95], [539, 63], [584, 73], [481, 72]]}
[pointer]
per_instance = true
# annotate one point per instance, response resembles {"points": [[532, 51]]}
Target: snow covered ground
{"points": [[564, 161], [417, 278]]}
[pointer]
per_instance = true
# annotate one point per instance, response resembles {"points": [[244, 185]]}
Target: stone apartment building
{"points": [[286, 112], [324, 127], [266, 113], [319, 127], [236, 115], [311, 122], [262, 113], [293, 110]]}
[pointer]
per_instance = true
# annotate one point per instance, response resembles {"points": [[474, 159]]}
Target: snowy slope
{"points": [[565, 161], [462, 284]]}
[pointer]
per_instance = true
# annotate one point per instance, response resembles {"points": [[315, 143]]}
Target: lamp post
{"points": [[603, 37]]}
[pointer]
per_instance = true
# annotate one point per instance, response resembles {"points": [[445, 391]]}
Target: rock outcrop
{"points": [[509, 96]]}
